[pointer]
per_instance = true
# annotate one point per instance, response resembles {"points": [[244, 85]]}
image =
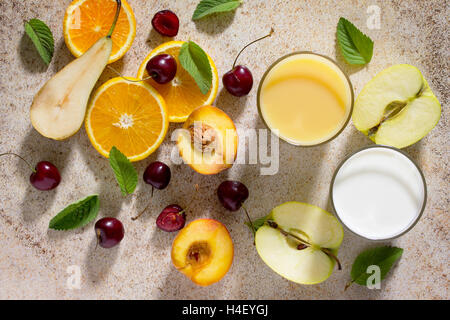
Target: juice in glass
{"points": [[305, 98]]}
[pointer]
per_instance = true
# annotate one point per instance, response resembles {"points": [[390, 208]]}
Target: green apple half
{"points": [[311, 223], [397, 107]]}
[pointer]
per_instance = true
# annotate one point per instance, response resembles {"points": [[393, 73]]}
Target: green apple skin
{"points": [[318, 227], [403, 84]]}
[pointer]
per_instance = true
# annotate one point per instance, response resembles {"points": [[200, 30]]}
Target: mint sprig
{"points": [[126, 174], [77, 214], [356, 47], [383, 257], [42, 38], [207, 7], [195, 61]]}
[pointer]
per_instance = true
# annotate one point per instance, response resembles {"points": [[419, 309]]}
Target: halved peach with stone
{"points": [[203, 251], [209, 140]]}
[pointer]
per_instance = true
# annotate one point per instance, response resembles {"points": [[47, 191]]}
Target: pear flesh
{"points": [[396, 107], [311, 223], [59, 108]]}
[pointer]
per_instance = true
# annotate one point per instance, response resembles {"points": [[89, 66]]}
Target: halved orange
{"points": [[86, 21], [132, 116], [182, 94]]}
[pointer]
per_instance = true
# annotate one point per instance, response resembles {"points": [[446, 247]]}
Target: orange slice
{"points": [[86, 21], [182, 94], [132, 116]]}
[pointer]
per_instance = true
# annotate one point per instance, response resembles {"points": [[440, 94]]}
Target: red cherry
{"points": [[238, 81], [232, 194], [166, 23], [172, 218], [109, 232], [46, 176], [162, 68], [158, 175]]}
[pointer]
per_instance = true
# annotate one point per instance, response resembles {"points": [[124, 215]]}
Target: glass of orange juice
{"points": [[305, 99]]}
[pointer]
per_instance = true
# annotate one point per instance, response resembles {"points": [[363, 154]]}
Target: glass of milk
{"points": [[378, 192]]}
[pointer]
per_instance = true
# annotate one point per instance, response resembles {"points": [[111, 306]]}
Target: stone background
{"points": [[33, 259]]}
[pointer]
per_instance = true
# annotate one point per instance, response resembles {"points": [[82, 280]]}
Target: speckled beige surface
{"points": [[34, 260]]}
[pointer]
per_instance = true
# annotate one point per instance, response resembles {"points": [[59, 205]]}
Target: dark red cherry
{"points": [[171, 219], [162, 68], [238, 81], [109, 232], [232, 194], [46, 176], [166, 23], [157, 175]]}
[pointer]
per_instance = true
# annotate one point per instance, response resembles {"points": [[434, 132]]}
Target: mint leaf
{"points": [[42, 38], [206, 7], [356, 47], [126, 174], [383, 257], [195, 61], [77, 214], [258, 223]]}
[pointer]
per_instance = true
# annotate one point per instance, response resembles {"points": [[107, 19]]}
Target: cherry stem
{"points": [[128, 79], [142, 212], [97, 232], [116, 17], [266, 36], [13, 154], [328, 252], [248, 217]]}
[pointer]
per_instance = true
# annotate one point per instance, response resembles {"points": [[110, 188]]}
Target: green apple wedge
{"points": [[59, 108], [277, 242], [397, 107]]}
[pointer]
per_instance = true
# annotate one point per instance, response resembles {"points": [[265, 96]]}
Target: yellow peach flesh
{"points": [[203, 251], [227, 141]]}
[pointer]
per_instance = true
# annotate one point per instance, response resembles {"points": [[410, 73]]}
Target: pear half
{"points": [[309, 222], [59, 108], [397, 107]]}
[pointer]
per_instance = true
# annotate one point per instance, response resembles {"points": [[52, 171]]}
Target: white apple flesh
{"points": [[311, 223], [397, 107]]}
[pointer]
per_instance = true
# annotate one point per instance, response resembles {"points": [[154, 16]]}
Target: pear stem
{"points": [[328, 252], [13, 154], [266, 36], [116, 17]]}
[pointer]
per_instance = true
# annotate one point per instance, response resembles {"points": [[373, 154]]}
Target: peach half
{"points": [[203, 251], [208, 142]]}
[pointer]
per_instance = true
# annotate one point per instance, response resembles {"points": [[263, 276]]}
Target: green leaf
{"points": [[195, 61], [383, 257], [356, 47], [42, 38], [258, 223], [126, 174], [206, 7], [77, 214]]}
